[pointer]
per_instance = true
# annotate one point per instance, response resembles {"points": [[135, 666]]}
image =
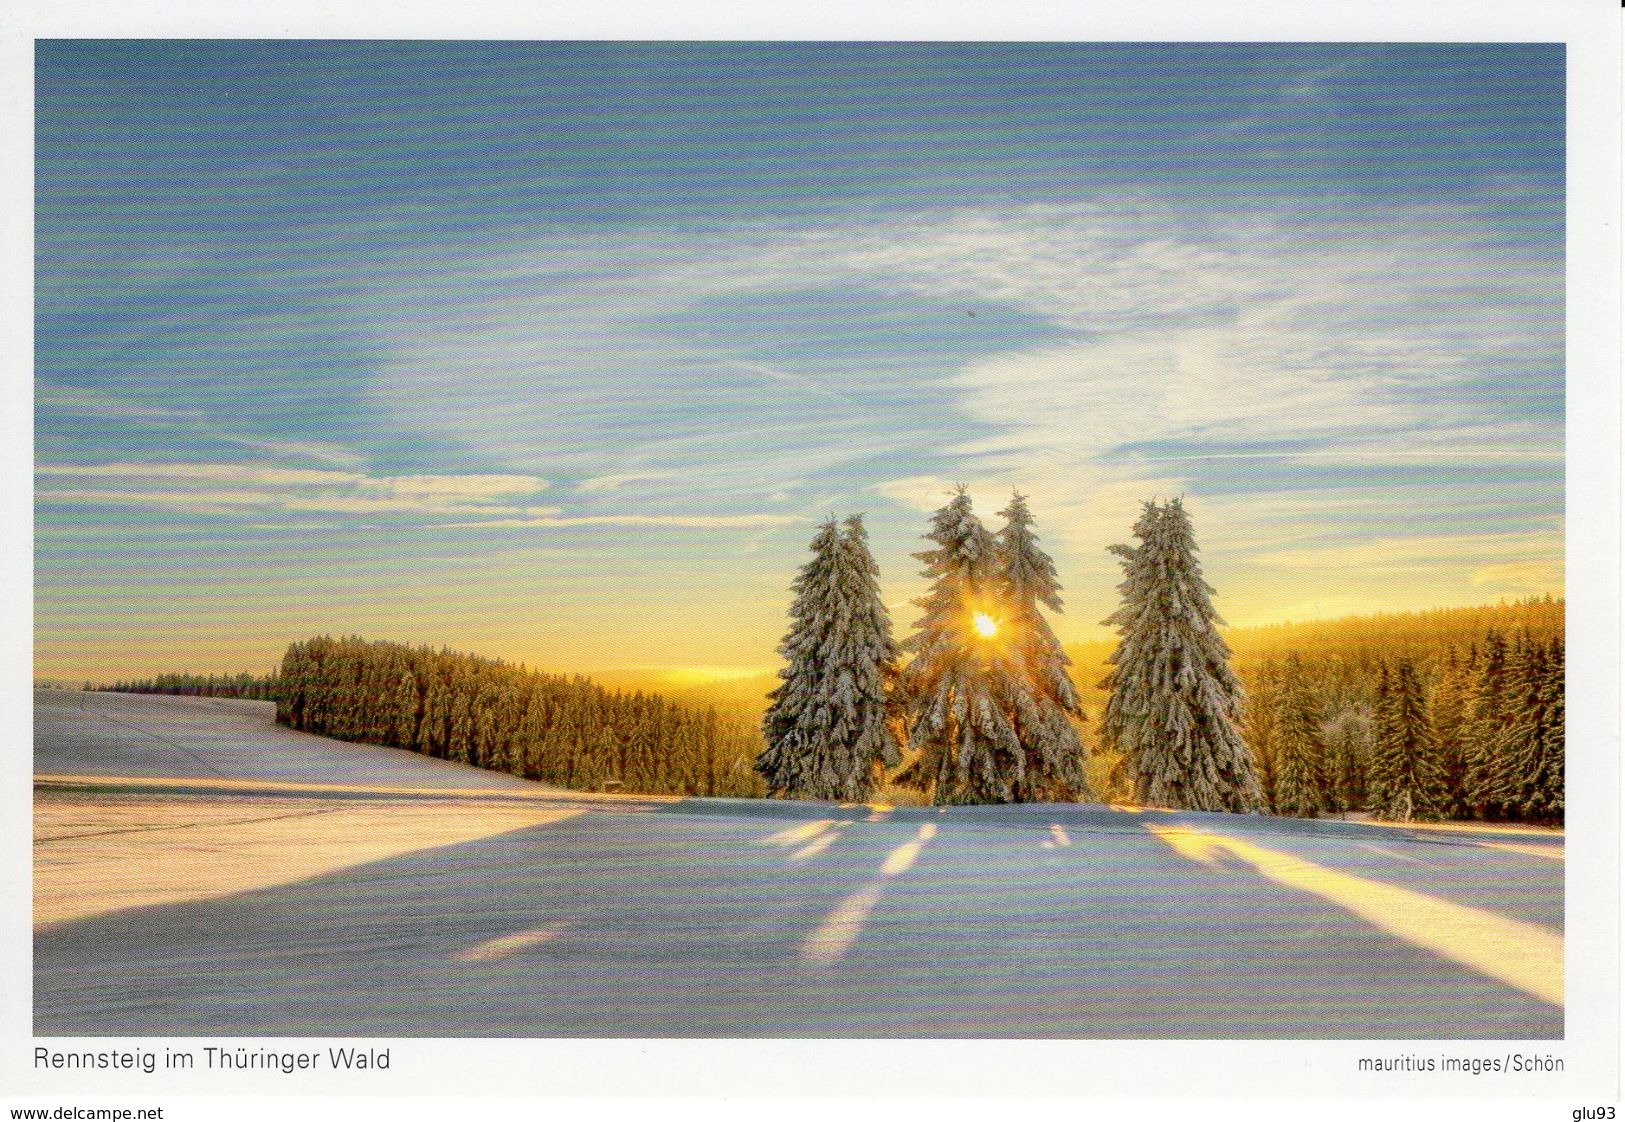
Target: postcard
{"points": [[1038, 560]]}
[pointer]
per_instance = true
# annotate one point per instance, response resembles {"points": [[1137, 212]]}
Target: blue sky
{"points": [[559, 351]]}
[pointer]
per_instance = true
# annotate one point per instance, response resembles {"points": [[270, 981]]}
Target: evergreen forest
{"points": [[566, 731], [252, 687], [1334, 709]]}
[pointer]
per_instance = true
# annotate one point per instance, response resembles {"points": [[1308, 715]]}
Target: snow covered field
{"points": [[199, 870], [201, 738]]}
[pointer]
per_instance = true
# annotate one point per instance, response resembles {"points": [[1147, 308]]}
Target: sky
{"points": [[559, 352]]}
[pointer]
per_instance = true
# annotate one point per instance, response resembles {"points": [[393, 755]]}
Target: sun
{"points": [[986, 626]]}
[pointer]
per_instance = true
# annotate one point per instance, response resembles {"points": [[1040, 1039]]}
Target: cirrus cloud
{"points": [[221, 487]]}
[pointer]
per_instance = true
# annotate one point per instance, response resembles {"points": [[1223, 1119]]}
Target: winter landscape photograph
{"points": [[804, 540]]}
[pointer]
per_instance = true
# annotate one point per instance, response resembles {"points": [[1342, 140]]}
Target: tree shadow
{"points": [[684, 923]]}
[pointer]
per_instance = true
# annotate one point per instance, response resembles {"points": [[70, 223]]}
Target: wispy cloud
{"points": [[1306, 383], [1226, 327], [214, 501], [1397, 553], [604, 483], [797, 381], [1352, 454], [1522, 576], [194, 424], [1218, 343], [220, 488], [920, 492], [1309, 388], [672, 521]]}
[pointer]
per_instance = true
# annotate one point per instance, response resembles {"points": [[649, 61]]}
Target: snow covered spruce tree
{"points": [[1490, 713], [1045, 702], [864, 656], [1348, 757], [1452, 707], [956, 689], [1530, 783], [1300, 748], [827, 727], [1406, 780], [1261, 725], [1174, 701]]}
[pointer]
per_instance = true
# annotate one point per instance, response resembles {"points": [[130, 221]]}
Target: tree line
{"points": [[563, 730], [251, 687], [1362, 643]]}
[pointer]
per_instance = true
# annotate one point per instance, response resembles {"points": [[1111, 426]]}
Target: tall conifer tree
{"points": [[1452, 700], [1489, 720], [794, 716], [1045, 702], [1300, 748], [1174, 702], [1530, 781], [957, 686], [1553, 784], [866, 658], [827, 729], [1348, 752], [1261, 725], [404, 703], [1406, 781]]}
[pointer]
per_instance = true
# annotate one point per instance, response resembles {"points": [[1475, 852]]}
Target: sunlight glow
{"points": [[1523, 955], [252, 842], [841, 927], [1550, 853], [794, 835], [901, 859], [507, 946], [820, 843], [846, 920], [986, 626]]}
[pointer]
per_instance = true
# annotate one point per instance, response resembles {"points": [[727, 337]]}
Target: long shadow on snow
{"points": [[674, 924]]}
